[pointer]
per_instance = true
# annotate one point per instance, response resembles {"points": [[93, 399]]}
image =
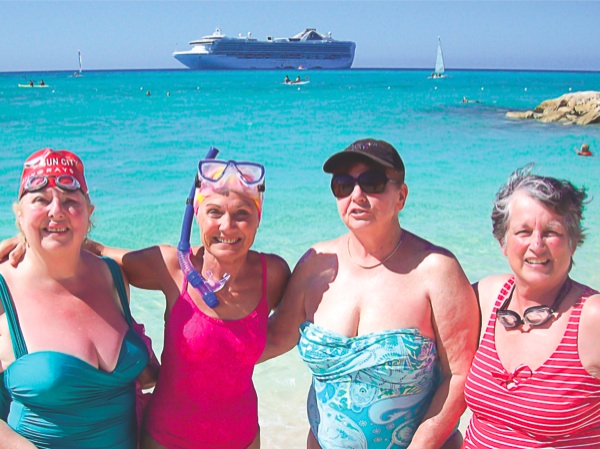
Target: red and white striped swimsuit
{"points": [[556, 406]]}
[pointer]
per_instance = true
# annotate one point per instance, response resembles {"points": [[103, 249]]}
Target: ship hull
{"points": [[196, 61]]}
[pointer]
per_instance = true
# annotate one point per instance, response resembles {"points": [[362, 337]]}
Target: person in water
{"points": [[205, 397], [69, 357], [386, 321], [584, 151], [535, 380]]}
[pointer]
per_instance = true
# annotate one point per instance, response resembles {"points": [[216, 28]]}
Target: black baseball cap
{"points": [[378, 151]]}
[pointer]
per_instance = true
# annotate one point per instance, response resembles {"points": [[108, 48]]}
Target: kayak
{"points": [[296, 83], [26, 86]]}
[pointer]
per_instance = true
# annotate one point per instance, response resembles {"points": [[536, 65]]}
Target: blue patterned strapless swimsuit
{"points": [[369, 391]]}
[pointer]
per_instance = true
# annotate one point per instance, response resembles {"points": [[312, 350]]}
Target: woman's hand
{"points": [[12, 249], [93, 247]]}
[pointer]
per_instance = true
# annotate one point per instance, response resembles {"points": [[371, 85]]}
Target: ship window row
{"points": [[278, 55], [283, 56], [276, 48]]}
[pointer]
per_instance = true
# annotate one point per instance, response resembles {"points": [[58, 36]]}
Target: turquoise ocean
{"points": [[141, 151]]}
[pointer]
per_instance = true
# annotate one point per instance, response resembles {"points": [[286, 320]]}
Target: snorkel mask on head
{"points": [[247, 178], [216, 176]]}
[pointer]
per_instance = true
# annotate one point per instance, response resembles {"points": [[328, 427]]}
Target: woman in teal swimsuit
{"points": [[68, 355]]}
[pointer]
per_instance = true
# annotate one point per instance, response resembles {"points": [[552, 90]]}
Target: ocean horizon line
{"points": [[354, 69]]}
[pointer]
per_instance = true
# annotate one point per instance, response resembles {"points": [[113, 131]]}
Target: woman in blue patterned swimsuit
{"points": [[68, 355], [386, 321]]}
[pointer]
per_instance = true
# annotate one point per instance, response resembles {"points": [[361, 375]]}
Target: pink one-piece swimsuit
{"points": [[205, 397]]}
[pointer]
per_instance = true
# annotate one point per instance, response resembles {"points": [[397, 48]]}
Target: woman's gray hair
{"points": [[559, 195]]}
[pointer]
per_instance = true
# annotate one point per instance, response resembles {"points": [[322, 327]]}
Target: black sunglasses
{"points": [[372, 181]]}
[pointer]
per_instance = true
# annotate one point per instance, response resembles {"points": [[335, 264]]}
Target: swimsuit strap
{"points": [[263, 262], [115, 270], [18, 342]]}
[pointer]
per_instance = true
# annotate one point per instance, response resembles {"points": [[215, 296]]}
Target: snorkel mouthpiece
{"points": [[199, 283], [206, 287]]}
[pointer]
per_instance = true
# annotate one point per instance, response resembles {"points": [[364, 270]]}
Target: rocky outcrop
{"points": [[580, 108]]}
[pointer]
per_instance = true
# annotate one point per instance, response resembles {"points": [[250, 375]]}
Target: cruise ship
{"points": [[306, 50]]}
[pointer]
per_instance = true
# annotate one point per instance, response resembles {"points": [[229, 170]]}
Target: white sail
{"points": [[439, 62], [80, 65]]}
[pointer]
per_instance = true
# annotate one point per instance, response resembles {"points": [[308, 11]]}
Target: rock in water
{"points": [[580, 108]]}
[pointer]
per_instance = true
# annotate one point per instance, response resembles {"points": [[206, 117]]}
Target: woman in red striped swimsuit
{"points": [[535, 380]]}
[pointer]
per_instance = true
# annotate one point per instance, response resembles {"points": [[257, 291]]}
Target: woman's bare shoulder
{"points": [[277, 264], [487, 289], [169, 254], [493, 282], [428, 255], [329, 246]]}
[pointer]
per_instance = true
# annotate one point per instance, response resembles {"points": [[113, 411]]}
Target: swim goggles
{"points": [[372, 181], [38, 182], [247, 178], [534, 316], [215, 171]]}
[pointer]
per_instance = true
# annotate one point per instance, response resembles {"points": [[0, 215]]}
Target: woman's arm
{"points": [[589, 336], [147, 268], [290, 313], [278, 276], [455, 317], [9, 439]]}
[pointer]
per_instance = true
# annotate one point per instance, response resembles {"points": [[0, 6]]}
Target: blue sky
{"points": [[547, 35]]}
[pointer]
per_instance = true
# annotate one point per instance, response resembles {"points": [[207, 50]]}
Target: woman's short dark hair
{"points": [[559, 195]]}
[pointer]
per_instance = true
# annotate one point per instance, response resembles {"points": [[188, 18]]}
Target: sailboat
{"points": [[439, 71], [80, 73]]}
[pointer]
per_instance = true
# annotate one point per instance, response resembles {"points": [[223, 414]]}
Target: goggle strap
{"points": [[562, 294]]}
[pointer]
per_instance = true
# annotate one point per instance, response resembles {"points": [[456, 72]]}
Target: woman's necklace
{"points": [[388, 257]]}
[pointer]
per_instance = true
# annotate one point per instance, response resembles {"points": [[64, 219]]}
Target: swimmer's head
{"points": [[217, 176]]}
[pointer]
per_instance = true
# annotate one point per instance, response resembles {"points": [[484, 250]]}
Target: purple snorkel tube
{"points": [[206, 287]]}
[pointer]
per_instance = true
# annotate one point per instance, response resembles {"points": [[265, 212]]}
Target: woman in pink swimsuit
{"points": [[205, 397], [535, 379]]}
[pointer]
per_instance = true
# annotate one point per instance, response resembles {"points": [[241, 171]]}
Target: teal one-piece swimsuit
{"points": [[58, 401]]}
